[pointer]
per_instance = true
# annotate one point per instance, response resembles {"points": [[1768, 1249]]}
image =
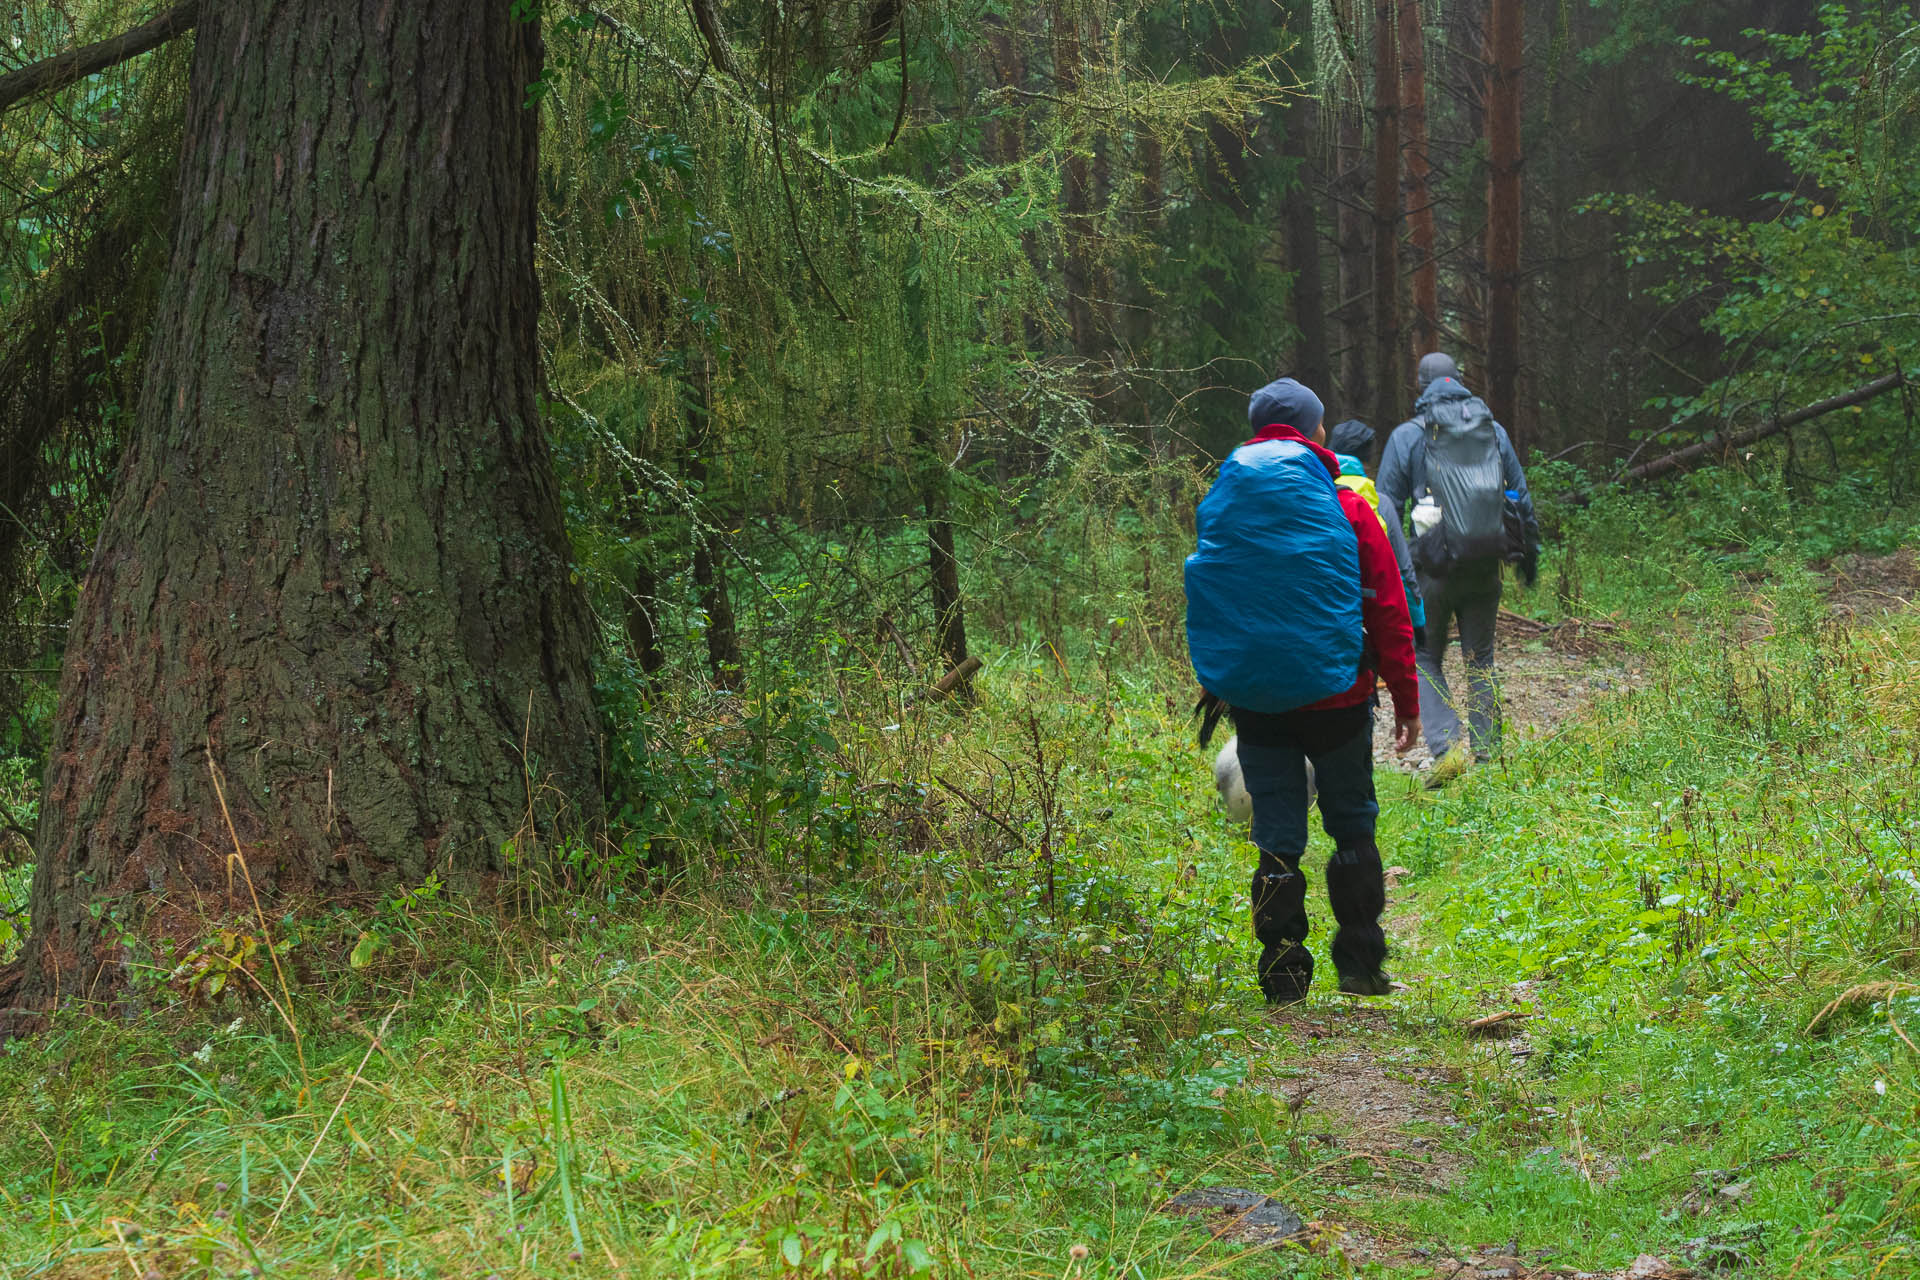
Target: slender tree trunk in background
{"points": [[1007, 68], [1136, 326], [1227, 179], [335, 567], [1425, 331], [1351, 246], [1463, 279], [1390, 373], [643, 633], [1299, 218], [1076, 223], [1504, 26], [709, 563], [1301, 224], [943, 562]]}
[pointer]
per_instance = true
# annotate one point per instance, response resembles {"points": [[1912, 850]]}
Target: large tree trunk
{"points": [[1504, 24], [1389, 362], [1420, 220], [335, 569]]}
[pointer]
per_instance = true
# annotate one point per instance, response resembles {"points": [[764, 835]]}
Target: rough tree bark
{"points": [[1504, 45], [1389, 361], [1425, 328], [335, 568]]}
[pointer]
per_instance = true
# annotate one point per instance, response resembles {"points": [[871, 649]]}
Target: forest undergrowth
{"points": [[891, 988]]}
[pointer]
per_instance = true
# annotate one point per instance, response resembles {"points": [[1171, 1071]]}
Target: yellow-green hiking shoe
{"points": [[1457, 760]]}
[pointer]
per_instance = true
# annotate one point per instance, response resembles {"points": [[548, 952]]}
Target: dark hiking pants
{"points": [[1467, 598], [1274, 753]]}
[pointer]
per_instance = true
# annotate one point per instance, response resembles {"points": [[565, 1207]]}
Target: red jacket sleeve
{"points": [[1383, 606]]}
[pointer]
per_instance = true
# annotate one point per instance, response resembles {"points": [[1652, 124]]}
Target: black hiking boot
{"points": [[1357, 891], [1280, 926], [1285, 973], [1377, 983]]}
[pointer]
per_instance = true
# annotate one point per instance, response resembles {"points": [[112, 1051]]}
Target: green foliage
{"points": [[1814, 297], [1681, 883]]}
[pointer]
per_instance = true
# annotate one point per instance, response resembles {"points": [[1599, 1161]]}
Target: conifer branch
{"points": [[49, 75]]}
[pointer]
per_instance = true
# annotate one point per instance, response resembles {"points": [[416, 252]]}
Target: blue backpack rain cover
{"points": [[1273, 593]]}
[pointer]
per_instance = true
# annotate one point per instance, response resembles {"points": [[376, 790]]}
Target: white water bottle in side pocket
{"points": [[1426, 514]]}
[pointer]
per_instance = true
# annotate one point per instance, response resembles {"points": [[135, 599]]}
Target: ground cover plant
{"points": [[976, 997]]}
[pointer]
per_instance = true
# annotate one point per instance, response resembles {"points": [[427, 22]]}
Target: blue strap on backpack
{"points": [[1273, 591]]}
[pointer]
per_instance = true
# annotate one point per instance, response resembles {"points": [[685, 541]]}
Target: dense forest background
{"points": [[871, 333]]}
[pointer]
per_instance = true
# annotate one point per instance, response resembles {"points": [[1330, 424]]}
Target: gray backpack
{"points": [[1463, 472]]}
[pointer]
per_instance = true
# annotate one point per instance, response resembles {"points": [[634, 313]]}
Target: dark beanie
{"points": [[1352, 437], [1287, 403], [1436, 366]]}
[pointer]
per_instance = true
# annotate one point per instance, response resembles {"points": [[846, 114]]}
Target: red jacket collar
{"points": [[1280, 431]]}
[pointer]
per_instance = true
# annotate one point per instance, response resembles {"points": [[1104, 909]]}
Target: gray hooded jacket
{"points": [[1403, 463]]}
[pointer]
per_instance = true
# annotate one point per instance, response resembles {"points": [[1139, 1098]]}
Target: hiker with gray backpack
{"points": [[1454, 471]]}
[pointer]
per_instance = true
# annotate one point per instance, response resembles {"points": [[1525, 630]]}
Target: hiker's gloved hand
{"points": [[1406, 732], [1420, 636], [1530, 564]]}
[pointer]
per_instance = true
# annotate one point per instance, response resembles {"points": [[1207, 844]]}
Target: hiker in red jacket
{"points": [[1336, 735]]}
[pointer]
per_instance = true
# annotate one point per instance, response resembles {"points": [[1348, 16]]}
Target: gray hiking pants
{"points": [[1469, 597]]}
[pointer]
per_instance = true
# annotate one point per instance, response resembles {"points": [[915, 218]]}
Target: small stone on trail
{"points": [[1245, 1214]]}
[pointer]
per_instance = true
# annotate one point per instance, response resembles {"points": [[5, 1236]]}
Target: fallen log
{"points": [[947, 683], [1721, 442]]}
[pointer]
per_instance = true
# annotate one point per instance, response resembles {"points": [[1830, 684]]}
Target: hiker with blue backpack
{"points": [[1453, 469], [1294, 602]]}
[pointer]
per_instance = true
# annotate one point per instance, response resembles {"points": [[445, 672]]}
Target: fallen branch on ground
{"points": [[1545, 628], [1720, 442], [1853, 997], [947, 683], [1496, 1025]]}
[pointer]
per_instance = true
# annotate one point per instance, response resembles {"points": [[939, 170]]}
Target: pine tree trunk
{"points": [[1312, 362], [1390, 372], [943, 561], [1006, 66], [1301, 224], [1352, 258], [1504, 25], [1352, 231], [709, 565], [1077, 190], [1420, 218], [335, 568]]}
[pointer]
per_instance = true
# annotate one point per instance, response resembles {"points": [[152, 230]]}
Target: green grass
{"points": [[957, 992]]}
